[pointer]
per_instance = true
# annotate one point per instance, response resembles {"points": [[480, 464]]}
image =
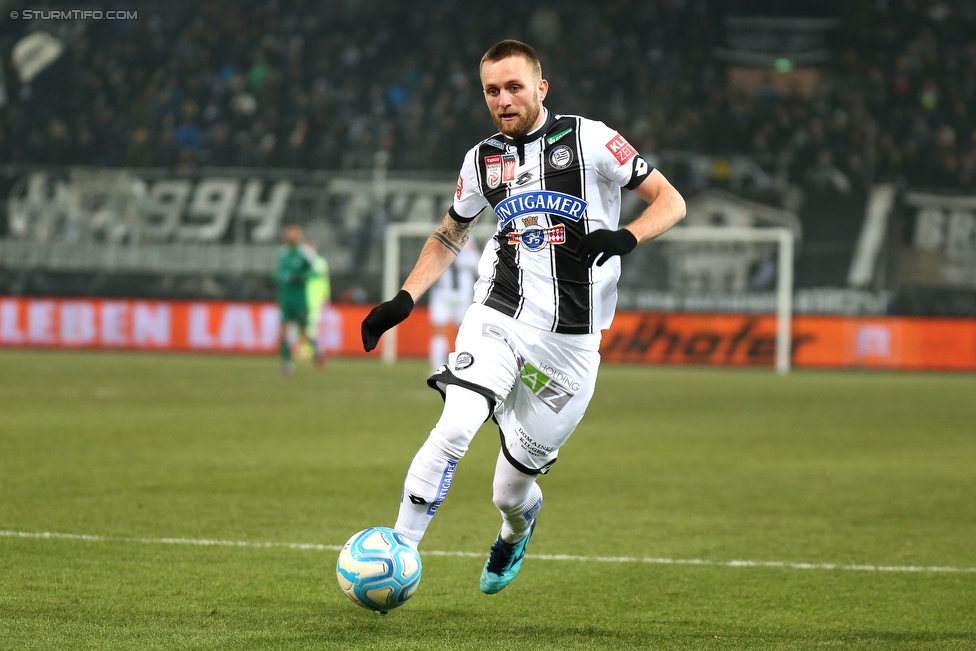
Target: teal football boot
{"points": [[504, 563]]}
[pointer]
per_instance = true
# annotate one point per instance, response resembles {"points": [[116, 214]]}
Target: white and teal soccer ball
{"points": [[378, 569]]}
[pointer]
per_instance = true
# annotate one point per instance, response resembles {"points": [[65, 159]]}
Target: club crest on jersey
{"points": [[536, 237], [509, 163], [493, 170], [561, 157], [540, 201], [463, 361]]}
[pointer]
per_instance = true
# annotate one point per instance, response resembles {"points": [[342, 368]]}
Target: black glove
{"points": [[384, 316], [603, 244]]}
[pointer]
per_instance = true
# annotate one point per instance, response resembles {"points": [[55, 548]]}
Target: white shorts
{"points": [[447, 307], [540, 382]]}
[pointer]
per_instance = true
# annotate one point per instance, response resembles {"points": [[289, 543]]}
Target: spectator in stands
{"points": [[140, 152], [324, 85]]}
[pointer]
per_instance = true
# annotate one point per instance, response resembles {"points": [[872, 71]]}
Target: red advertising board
{"points": [[818, 341], [637, 337], [211, 326]]}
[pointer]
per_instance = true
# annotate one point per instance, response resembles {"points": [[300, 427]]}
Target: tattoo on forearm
{"points": [[453, 234], [443, 239]]}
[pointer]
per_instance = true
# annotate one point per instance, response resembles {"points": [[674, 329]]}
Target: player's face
{"points": [[293, 235], [514, 92]]}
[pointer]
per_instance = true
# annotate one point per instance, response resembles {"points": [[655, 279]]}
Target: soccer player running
{"points": [[295, 266], [528, 347]]}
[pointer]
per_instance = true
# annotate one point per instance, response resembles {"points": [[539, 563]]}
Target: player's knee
{"points": [[506, 498], [449, 441], [464, 412], [514, 492]]}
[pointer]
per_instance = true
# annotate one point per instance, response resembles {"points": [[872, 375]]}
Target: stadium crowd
{"points": [[306, 84]]}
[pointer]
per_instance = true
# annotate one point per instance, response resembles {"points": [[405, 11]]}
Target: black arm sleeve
{"points": [[458, 218], [641, 170]]}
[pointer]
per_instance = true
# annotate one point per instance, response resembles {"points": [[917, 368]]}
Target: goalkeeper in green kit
{"points": [[296, 265]]}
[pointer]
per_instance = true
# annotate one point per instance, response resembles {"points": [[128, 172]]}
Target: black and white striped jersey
{"points": [[549, 189]]}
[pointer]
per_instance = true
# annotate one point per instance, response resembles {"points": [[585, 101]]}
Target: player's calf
{"points": [[432, 469]]}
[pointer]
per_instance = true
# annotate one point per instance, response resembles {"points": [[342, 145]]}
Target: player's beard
{"points": [[521, 127]]}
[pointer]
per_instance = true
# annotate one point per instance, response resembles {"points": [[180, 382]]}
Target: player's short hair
{"points": [[512, 48]]}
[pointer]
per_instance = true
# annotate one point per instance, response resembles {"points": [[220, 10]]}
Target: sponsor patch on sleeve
{"points": [[621, 149], [460, 188]]}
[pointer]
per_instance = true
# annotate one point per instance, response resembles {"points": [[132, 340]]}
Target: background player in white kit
{"points": [[449, 300], [528, 347]]}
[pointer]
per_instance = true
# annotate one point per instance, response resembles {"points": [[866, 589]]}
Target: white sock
{"points": [[438, 351], [432, 469], [518, 498]]}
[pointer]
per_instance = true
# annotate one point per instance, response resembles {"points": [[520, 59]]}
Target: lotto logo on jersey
{"points": [[493, 170], [621, 149], [540, 201], [536, 237], [509, 163]]}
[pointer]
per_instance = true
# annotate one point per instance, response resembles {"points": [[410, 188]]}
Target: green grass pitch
{"points": [[681, 463]]}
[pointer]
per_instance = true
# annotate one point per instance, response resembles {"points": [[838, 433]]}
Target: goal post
{"points": [[395, 233], [783, 238]]}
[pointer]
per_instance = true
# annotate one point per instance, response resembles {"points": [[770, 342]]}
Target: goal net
{"points": [[713, 269]]}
